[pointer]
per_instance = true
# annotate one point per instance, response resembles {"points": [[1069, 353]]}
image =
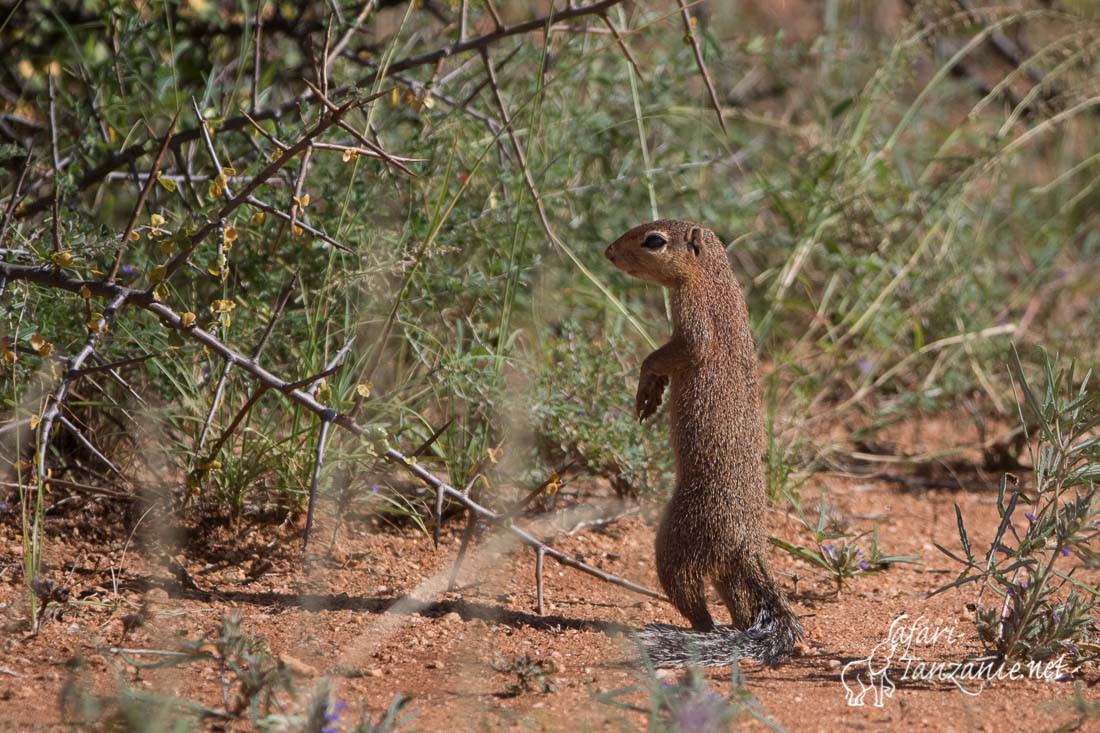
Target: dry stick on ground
{"points": [[100, 171], [123, 296], [689, 29]]}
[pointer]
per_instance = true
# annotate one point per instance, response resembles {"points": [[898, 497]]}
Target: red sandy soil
{"points": [[374, 614]]}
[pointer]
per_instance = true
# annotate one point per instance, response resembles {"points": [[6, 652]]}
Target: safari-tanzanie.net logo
{"points": [[912, 651]]}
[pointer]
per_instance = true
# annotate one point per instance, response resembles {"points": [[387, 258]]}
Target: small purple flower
{"points": [[865, 365], [333, 716], [827, 550], [4, 506], [1064, 551], [1023, 585], [1029, 516], [374, 488], [864, 566]]}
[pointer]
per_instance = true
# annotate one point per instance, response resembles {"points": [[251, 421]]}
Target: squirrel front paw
{"points": [[651, 388]]}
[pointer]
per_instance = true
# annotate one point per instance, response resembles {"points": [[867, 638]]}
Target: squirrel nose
{"points": [[609, 253]]}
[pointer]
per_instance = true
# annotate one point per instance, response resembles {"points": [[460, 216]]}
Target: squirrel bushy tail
{"points": [[772, 636]]}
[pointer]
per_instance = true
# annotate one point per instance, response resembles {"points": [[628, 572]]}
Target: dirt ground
{"points": [[375, 615]]}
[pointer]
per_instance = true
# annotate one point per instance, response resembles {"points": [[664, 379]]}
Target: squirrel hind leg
{"points": [[738, 597], [689, 596]]}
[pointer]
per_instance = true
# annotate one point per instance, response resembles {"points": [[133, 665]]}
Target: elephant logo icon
{"points": [[868, 674]]}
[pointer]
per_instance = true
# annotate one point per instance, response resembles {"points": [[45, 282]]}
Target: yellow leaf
{"points": [[495, 453], [213, 191], [187, 319], [230, 233], [85, 292], [394, 97], [134, 235], [25, 68], [156, 220], [62, 259], [166, 183], [350, 154], [302, 201], [222, 306], [23, 465], [257, 218], [41, 345], [227, 172], [96, 324], [363, 389], [9, 356], [428, 101], [158, 273], [159, 292], [296, 230], [35, 419]]}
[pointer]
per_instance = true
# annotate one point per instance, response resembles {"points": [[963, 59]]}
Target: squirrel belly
{"points": [[712, 529]]}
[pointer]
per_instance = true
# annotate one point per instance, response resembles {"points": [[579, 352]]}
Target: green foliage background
{"points": [[900, 202]]}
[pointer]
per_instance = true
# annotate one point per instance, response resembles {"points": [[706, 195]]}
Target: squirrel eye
{"points": [[655, 241]]}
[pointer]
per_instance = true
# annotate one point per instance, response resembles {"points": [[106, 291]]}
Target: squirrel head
{"points": [[668, 252]]}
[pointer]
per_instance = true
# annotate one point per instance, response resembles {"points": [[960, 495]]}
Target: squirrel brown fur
{"points": [[713, 526]]}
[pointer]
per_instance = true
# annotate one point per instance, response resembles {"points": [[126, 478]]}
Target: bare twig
{"points": [[83, 440], [279, 214], [689, 29], [315, 476], [141, 199], [625, 48], [56, 166]]}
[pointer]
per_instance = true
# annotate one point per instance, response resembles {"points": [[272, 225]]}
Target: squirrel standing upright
{"points": [[713, 526]]}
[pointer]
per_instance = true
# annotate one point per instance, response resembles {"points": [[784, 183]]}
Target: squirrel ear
{"points": [[695, 240]]}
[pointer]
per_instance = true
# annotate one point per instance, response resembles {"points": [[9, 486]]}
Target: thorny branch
{"points": [[99, 172]]}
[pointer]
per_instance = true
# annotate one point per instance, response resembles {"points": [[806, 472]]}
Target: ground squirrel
{"points": [[713, 526]]}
